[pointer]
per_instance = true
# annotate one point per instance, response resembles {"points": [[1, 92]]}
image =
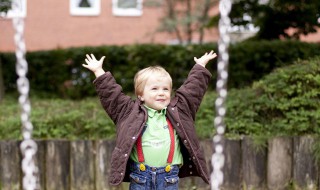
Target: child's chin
{"points": [[158, 108]]}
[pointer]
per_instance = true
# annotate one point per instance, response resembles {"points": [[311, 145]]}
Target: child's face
{"points": [[157, 92]]}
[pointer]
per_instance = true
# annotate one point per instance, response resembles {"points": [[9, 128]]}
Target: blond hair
{"points": [[143, 75]]}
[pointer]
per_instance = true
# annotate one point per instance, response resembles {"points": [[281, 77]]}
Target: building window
{"points": [[127, 7], [20, 9], [85, 7]]}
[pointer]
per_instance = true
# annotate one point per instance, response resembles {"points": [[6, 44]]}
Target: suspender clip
{"points": [[168, 168], [142, 167]]}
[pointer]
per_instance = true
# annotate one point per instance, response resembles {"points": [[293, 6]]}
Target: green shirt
{"points": [[156, 141]]}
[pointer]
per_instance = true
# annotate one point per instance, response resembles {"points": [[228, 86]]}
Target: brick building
{"points": [[52, 24]]}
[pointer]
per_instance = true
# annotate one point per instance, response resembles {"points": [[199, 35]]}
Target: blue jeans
{"points": [[153, 178]]}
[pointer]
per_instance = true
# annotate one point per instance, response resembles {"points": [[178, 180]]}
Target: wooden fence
{"points": [[286, 163]]}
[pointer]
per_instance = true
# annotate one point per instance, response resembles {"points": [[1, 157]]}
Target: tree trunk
{"points": [[172, 16], [189, 24], [204, 19]]}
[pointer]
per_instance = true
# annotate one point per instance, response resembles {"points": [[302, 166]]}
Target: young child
{"points": [[156, 140]]}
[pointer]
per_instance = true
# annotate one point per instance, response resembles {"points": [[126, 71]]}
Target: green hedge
{"points": [[60, 73], [57, 119], [284, 102]]}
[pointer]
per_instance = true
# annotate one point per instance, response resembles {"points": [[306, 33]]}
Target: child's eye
{"points": [[153, 88]]}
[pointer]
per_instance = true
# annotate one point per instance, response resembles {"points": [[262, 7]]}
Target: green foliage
{"points": [[242, 118], [58, 119], [251, 60], [9, 119], [275, 17], [205, 116], [60, 72], [51, 64], [286, 102]]}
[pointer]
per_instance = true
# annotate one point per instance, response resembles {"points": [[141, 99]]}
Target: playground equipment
{"points": [[29, 147], [218, 159]]}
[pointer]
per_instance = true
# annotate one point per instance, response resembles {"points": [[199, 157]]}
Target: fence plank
{"points": [[40, 162], [232, 165], [104, 150], [10, 172], [254, 165], [88, 168], [57, 165], [102, 160], [305, 171], [279, 163], [82, 165]]}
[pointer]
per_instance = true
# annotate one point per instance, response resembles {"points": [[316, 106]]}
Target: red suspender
{"points": [[172, 146], [139, 149], [172, 143]]}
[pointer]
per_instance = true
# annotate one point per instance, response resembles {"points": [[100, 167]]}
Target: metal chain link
{"points": [[218, 158], [28, 147]]}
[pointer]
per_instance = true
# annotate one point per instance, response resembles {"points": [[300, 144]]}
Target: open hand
{"points": [[205, 58], [94, 65]]}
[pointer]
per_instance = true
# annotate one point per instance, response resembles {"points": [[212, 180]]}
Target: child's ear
{"points": [[141, 98]]}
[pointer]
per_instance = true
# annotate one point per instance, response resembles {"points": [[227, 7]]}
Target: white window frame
{"points": [[85, 11], [21, 12], [117, 11]]}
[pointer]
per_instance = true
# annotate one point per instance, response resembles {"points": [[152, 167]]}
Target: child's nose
{"points": [[161, 92]]}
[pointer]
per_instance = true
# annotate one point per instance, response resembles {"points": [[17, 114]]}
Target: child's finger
{"points": [[93, 57], [102, 58], [87, 61], [88, 57]]}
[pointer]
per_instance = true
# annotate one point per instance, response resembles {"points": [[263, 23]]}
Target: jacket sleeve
{"points": [[112, 99], [191, 92]]}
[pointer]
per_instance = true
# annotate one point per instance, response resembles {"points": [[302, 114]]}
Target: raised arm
{"points": [[191, 92], [94, 65], [114, 101]]}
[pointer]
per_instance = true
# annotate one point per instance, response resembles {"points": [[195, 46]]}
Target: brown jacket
{"points": [[130, 116]]}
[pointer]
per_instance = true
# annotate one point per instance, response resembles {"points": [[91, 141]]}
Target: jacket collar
{"points": [[173, 102]]}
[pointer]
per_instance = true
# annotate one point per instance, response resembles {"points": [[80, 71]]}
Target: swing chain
{"points": [[28, 147], [218, 158]]}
